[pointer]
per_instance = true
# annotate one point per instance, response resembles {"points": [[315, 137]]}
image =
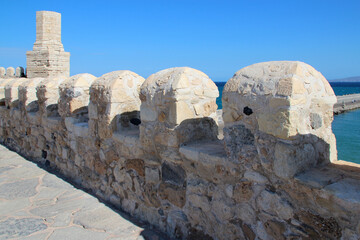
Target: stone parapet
{"points": [[283, 112], [150, 147], [27, 95], [177, 105], [11, 72], [47, 92], [74, 95], [114, 102], [11, 92]]}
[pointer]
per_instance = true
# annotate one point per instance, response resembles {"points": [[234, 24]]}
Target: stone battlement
{"points": [[11, 72], [151, 147]]}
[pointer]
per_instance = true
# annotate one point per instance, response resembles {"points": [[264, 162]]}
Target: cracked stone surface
{"points": [[35, 204]]}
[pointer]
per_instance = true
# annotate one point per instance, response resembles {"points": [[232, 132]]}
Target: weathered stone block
{"points": [[74, 94], [174, 194], [173, 174], [10, 72], [111, 96], [19, 72]]}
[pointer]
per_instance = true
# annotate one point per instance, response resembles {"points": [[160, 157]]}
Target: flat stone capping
{"points": [[129, 136], [340, 179], [204, 151]]}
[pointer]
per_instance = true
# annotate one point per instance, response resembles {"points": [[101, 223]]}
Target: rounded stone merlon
{"points": [[2, 72], [114, 95], [10, 72], [283, 95], [19, 72], [114, 98], [291, 104], [118, 87], [27, 90], [11, 90], [47, 91], [3, 83], [176, 94], [74, 93]]}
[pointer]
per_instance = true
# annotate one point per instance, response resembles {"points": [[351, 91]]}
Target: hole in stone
{"points": [[44, 154], [135, 121], [248, 111]]}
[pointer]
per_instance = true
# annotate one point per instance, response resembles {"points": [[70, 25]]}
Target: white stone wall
{"points": [[268, 179]]}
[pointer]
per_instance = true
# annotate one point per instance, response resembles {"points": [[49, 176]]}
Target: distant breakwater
{"points": [[346, 103]]}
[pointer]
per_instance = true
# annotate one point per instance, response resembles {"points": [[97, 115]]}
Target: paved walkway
{"points": [[35, 204]]}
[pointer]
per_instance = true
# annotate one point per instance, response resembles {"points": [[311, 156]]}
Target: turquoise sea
{"points": [[346, 126]]}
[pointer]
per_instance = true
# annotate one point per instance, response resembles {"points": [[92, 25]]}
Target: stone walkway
{"points": [[35, 204]]}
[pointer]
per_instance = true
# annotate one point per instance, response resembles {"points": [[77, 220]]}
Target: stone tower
{"points": [[48, 58]]}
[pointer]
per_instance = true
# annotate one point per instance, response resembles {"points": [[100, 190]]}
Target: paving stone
{"points": [[62, 219], [40, 236], [53, 210], [12, 227], [56, 203], [6, 168], [25, 172], [102, 219], [77, 233], [12, 206], [48, 193], [19, 189], [53, 181]]}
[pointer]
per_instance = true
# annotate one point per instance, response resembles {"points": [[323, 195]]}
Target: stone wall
{"points": [[11, 72], [150, 147]]}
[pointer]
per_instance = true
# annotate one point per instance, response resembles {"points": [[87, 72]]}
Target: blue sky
{"points": [[216, 37]]}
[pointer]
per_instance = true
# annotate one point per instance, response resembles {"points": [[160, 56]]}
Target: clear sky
{"points": [[216, 37]]}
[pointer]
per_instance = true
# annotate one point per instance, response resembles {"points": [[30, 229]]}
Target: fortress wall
{"points": [[11, 72], [150, 147]]}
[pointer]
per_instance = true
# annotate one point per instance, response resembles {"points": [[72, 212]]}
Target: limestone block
{"points": [[10, 72], [3, 83], [74, 93], [19, 72], [274, 204], [285, 100], [27, 94], [48, 27], [171, 93], [114, 98], [47, 92], [81, 130], [275, 91], [11, 92], [2, 72], [175, 110], [290, 159]]}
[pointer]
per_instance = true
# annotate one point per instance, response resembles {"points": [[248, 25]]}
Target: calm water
{"points": [[346, 126]]}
